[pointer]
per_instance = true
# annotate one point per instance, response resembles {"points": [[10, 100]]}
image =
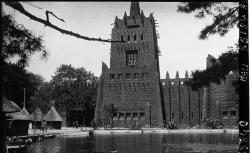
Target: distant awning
{"points": [[9, 106]]}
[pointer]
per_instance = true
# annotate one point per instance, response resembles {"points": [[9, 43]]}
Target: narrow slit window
{"points": [[128, 37], [172, 115], [134, 37], [122, 38], [141, 36], [182, 115], [192, 115], [112, 76]]}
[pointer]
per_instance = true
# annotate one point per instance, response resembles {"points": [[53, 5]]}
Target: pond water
{"points": [[140, 143]]}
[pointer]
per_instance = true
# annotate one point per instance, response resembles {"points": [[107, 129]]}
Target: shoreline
{"points": [[69, 131]]}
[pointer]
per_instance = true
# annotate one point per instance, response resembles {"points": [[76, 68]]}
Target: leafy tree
{"points": [[15, 79], [19, 42], [74, 89], [108, 110], [226, 62], [42, 98], [225, 16]]}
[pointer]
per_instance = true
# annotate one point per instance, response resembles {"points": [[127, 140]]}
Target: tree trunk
{"points": [[67, 118], [111, 122], [3, 133]]}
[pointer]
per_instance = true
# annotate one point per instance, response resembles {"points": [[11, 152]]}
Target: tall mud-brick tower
{"points": [[132, 83]]}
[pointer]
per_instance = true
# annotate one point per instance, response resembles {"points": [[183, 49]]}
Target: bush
{"points": [[213, 123], [93, 124], [171, 125]]}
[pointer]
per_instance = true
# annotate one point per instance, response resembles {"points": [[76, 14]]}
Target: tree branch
{"points": [[32, 5], [47, 15], [17, 6]]}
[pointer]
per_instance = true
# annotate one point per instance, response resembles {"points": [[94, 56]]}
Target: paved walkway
{"points": [[85, 131]]}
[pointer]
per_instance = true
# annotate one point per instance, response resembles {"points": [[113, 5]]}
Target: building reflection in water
{"points": [[136, 143]]}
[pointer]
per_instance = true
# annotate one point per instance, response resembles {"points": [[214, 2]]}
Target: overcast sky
{"points": [[180, 47]]}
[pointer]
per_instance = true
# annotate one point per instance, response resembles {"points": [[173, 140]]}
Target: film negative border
{"points": [[243, 78]]}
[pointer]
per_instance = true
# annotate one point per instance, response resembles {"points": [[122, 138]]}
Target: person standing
{"points": [[73, 124], [10, 128], [43, 126], [77, 124]]}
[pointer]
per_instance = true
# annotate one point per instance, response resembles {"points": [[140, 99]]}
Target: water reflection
{"points": [[140, 143]]}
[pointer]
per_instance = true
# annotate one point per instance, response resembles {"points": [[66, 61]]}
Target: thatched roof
{"points": [[21, 115], [53, 115], [9, 106], [26, 112], [37, 115]]}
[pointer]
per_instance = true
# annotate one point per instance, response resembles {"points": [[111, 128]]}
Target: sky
{"points": [[180, 47]]}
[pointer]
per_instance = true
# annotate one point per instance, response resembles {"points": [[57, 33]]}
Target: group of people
{"points": [[75, 124], [43, 126]]}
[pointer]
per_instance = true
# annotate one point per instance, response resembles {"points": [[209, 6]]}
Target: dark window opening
{"points": [[172, 115], [133, 26], [192, 115], [201, 114], [182, 115], [134, 37], [142, 116], [128, 116], [233, 113], [141, 36], [136, 75], [135, 116], [115, 116], [132, 57], [144, 75], [128, 37], [112, 76], [120, 76], [128, 76], [122, 38], [225, 114], [121, 116]]}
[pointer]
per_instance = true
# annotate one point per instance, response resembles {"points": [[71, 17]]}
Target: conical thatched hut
{"points": [[37, 117], [53, 119], [9, 106], [20, 122]]}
